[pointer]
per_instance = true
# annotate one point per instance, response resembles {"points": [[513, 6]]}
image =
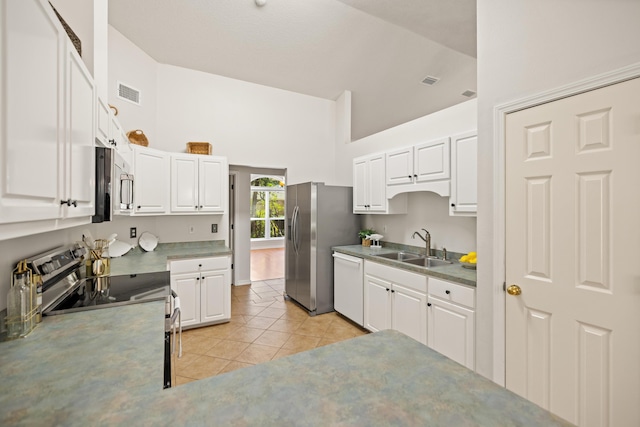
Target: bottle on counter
{"points": [[18, 307]]}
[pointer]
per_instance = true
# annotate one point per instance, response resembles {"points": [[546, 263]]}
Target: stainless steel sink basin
{"points": [[428, 262], [400, 256]]}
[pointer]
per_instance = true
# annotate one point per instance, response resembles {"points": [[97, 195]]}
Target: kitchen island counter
{"points": [[453, 272], [104, 367], [137, 261]]}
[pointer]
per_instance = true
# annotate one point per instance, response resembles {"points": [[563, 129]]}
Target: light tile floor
{"points": [[263, 327]]}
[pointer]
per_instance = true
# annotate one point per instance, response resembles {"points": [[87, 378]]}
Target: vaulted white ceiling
{"points": [[379, 50]]}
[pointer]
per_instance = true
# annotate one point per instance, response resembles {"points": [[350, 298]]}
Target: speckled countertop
{"points": [[453, 272], [104, 367], [138, 261]]}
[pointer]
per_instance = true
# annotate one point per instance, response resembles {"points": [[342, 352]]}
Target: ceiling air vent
{"points": [[468, 93], [128, 93], [430, 80]]}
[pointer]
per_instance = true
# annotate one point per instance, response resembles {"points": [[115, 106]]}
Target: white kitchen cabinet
{"points": [[348, 291], [395, 299], [451, 321], [103, 118], [198, 183], [204, 288], [79, 162], [422, 167], [463, 200], [46, 129], [369, 188], [151, 181]]}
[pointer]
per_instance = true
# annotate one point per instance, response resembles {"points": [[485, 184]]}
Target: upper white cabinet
{"points": [[464, 175], [422, 167], [369, 187], [151, 181], [198, 183], [47, 129], [103, 118], [79, 160]]}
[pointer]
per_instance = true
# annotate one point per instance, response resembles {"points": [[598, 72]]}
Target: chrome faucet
{"points": [[426, 239]]}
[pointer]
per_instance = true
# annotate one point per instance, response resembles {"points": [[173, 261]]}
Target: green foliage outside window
{"points": [[267, 207]]}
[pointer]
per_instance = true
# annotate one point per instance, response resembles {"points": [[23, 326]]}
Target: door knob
{"points": [[514, 290]]}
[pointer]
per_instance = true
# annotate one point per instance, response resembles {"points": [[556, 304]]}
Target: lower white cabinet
{"points": [[348, 287], [395, 299], [204, 288], [451, 323]]}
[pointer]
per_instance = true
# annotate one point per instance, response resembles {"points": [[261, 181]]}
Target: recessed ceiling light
{"points": [[430, 80], [468, 93]]}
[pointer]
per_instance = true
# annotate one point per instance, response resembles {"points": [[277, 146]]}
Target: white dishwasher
{"points": [[348, 286]]}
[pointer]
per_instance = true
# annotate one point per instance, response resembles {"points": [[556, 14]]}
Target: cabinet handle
{"points": [[447, 292], [409, 177], [196, 207], [138, 206], [112, 141], [64, 202], [200, 206], [415, 176], [199, 265], [453, 205], [428, 304], [387, 289], [392, 291], [197, 278]]}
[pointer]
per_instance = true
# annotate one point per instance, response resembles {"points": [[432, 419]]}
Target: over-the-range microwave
{"points": [[114, 185]]}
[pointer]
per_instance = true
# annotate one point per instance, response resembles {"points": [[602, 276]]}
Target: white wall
{"points": [[133, 67], [526, 48], [248, 123]]}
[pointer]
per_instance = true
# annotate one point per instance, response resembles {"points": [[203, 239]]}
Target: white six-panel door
{"points": [[572, 245]]}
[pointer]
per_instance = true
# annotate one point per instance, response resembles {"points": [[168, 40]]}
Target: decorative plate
{"points": [[118, 248], [148, 241]]}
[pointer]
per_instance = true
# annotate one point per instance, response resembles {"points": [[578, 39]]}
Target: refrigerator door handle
{"points": [[294, 229]]}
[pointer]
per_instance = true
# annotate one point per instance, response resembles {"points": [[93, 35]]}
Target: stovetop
{"points": [[110, 291]]}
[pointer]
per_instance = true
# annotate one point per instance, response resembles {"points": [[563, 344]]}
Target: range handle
{"points": [[176, 315]]}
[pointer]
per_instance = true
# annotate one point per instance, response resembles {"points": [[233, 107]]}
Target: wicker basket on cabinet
{"points": [[199, 148]]}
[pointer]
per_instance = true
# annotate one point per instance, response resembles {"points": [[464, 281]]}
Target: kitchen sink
{"points": [[400, 256], [428, 262]]}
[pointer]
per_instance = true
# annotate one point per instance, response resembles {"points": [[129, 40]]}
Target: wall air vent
{"points": [[128, 93], [430, 80], [468, 93]]}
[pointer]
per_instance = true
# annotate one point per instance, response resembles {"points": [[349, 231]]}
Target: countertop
{"points": [[453, 272], [104, 367], [137, 261]]}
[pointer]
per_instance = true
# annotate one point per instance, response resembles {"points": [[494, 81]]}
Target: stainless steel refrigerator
{"points": [[318, 217]]}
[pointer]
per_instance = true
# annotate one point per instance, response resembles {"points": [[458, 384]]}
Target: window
{"points": [[267, 207]]}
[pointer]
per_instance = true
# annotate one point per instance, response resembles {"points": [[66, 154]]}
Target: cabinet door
{"points": [[31, 98], [377, 305], [187, 286], [151, 181], [400, 166], [452, 331], [102, 122], [80, 139], [360, 185], [464, 174], [213, 178], [184, 183], [215, 296], [377, 184], [431, 161], [409, 312]]}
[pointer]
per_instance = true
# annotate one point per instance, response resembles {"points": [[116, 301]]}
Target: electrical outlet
{"points": [[214, 228], [191, 229], [384, 228], [133, 232]]}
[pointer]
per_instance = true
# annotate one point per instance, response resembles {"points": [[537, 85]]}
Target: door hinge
{"points": [[504, 286], [232, 226], [232, 266], [232, 186]]}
